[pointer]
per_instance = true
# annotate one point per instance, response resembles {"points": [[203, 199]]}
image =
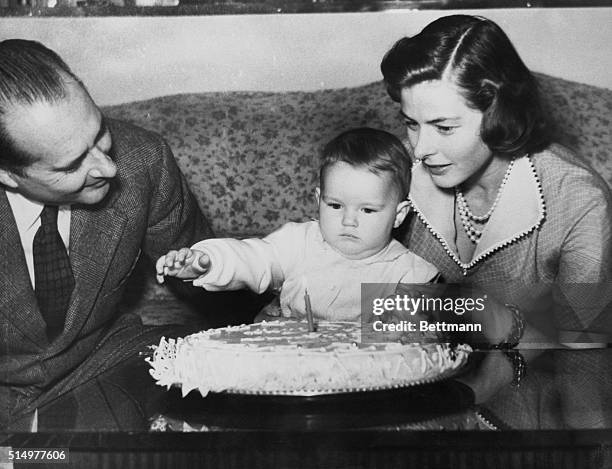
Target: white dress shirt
{"points": [[27, 217]]}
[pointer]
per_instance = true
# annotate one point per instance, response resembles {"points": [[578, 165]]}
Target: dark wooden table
{"points": [[429, 426], [328, 449]]}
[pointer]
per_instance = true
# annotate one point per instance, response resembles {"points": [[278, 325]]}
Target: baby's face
{"points": [[358, 209]]}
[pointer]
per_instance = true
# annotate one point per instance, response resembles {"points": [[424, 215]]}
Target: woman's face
{"points": [[444, 133]]}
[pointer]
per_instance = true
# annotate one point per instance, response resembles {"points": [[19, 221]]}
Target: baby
{"points": [[364, 180]]}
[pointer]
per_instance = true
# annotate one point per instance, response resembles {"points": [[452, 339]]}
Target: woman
{"points": [[497, 205]]}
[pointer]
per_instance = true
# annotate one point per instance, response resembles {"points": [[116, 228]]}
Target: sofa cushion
{"points": [[580, 117], [251, 157]]}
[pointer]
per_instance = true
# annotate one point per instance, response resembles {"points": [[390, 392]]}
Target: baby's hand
{"points": [[186, 264]]}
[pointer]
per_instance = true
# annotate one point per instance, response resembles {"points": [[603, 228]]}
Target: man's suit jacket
{"points": [[149, 209]]}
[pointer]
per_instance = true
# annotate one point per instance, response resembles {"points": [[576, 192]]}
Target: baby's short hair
{"points": [[377, 150]]}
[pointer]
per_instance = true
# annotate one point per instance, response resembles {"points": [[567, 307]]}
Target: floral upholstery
{"points": [[251, 157], [581, 119]]}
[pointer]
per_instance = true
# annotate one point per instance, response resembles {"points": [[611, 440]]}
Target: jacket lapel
{"points": [[520, 210], [17, 298], [95, 234], [434, 206]]}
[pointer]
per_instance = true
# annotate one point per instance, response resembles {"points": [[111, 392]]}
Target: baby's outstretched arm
{"points": [[186, 264]]}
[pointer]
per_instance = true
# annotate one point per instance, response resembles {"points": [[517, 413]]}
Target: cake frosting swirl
{"points": [[282, 357]]}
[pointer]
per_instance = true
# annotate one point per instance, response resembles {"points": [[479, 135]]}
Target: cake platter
{"points": [[447, 374], [286, 359], [418, 403], [386, 384]]}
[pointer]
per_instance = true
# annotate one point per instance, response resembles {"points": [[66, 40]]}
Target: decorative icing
{"points": [[283, 357]]}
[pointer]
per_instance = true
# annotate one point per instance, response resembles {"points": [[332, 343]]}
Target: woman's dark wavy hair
{"points": [[375, 149], [475, 54]]}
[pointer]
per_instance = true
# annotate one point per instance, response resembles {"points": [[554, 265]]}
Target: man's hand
{"points": [[186, 264]]}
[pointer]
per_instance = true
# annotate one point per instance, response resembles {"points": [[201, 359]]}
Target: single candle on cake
{"points": [[308, 307]]}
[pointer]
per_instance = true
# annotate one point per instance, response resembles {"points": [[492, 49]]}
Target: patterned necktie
{"points": [[52, 272]]}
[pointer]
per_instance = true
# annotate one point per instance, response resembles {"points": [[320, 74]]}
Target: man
{"points": [[112, 191]]}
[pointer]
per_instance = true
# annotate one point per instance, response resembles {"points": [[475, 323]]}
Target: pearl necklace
{"points": [[466, 215]]}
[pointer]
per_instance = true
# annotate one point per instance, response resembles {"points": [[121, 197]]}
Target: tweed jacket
{"points": [[149, 209], [546, 248]]}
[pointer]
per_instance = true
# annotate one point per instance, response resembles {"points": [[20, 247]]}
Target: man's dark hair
{"points": [[377, 150], [475, 54], [29, 73]]}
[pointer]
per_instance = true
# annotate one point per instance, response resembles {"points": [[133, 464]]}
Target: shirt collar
{"points": [[520, 210], [25, 211]]}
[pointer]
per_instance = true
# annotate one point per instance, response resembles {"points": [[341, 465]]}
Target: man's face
{"points": [[358, 209], [69, 144]]}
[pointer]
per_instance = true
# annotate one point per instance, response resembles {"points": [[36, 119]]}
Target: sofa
{"points": [[251, 157]]}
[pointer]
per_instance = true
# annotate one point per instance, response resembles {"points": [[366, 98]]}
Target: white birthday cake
{"points": [[283, 357]]}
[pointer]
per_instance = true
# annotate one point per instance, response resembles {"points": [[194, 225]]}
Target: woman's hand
{"points": [[496, 319], [493, 373], [186, 264]]}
